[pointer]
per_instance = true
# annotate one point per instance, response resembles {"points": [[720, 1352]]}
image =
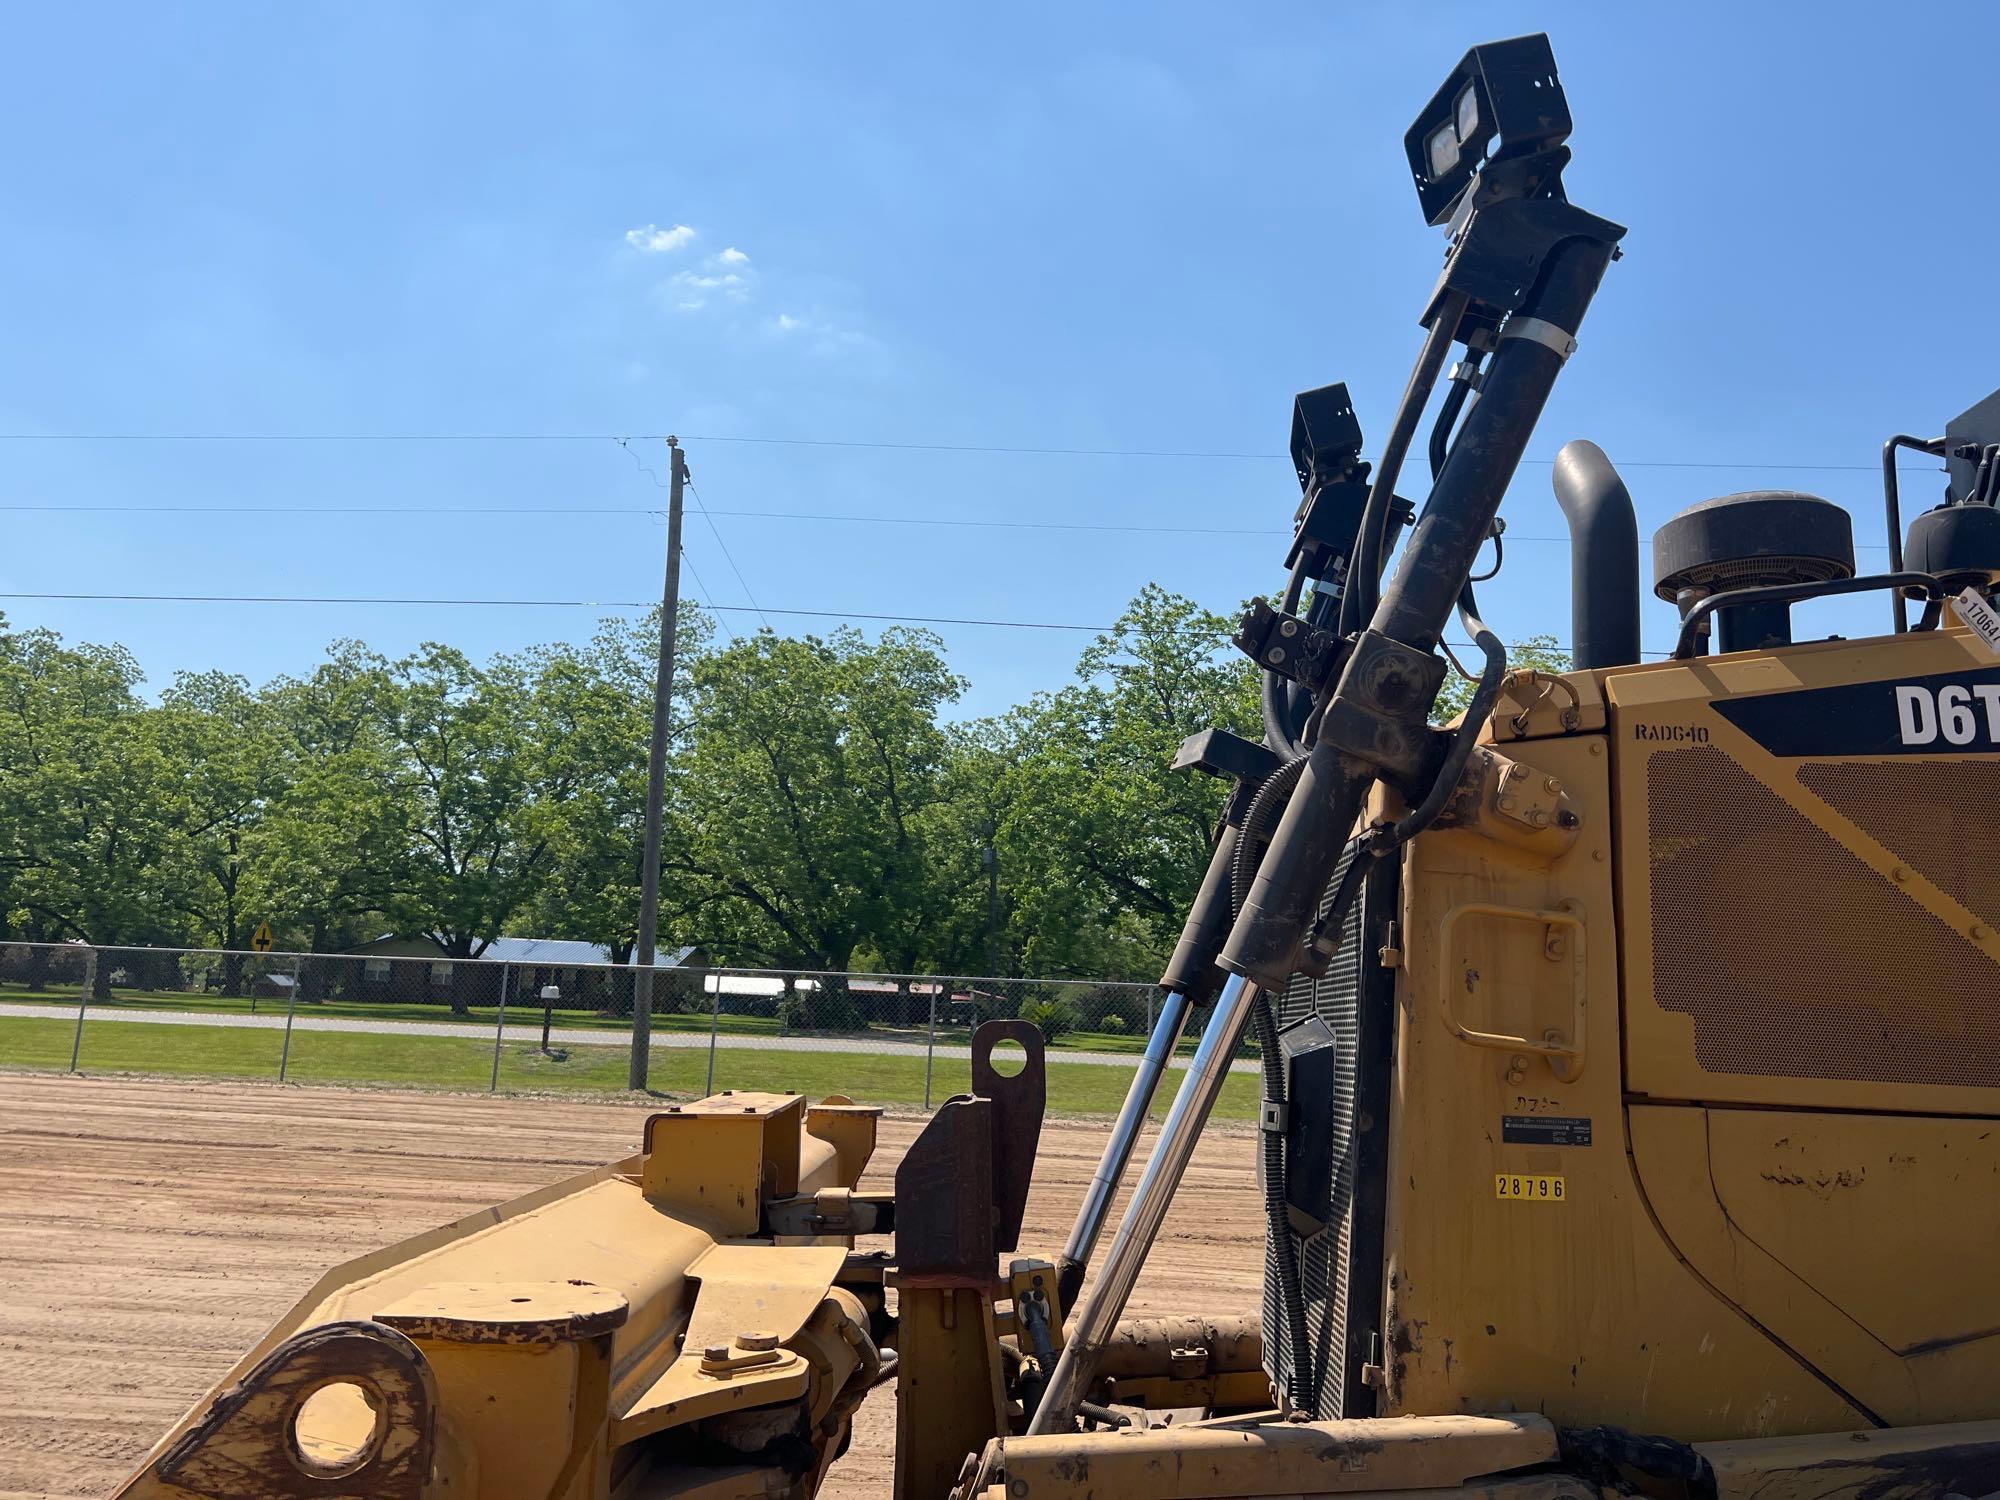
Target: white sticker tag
{"points": [[1980, 617]]}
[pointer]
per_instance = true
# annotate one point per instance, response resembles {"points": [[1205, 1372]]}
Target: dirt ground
{"points": [[149, 1232]]}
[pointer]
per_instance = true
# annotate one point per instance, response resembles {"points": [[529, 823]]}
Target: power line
{"points": [[702, 593], [352, 599], [884, 445], [338, 510], [728, 556], [713, 511], [820, 614]]}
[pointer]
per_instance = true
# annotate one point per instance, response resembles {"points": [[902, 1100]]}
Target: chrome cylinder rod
{"points": [[1099, 1313], [1125, 1133]]}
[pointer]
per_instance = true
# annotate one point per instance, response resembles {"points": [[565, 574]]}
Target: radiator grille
{"points": [[1340, 1267], [1792, 956], [1943, 822]]}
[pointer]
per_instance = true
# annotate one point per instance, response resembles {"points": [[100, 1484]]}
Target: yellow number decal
{"points": [[1528, 1187]]}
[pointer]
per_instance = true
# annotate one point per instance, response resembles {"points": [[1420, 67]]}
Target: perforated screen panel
{"points": [[1341, 1266], [1945, 824], [1796, 959]]}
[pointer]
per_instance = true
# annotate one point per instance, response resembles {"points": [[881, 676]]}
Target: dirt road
{"points": [[149, 1232]]}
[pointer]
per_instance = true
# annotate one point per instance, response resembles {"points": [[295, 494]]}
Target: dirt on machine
{"points": [[1630, 1048]]}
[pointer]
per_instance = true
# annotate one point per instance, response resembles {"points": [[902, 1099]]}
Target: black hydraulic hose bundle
{"points": [[1277, 696], [1265, 805]]}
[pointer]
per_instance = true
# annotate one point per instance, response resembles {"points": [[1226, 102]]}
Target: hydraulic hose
{"points": [[1364, 578], [1265, 806], [1282, 722], [1447, 418]]}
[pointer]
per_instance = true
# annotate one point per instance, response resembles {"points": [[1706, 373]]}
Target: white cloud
{"points": [[692, 290], [653, 240], [733, 257], [817, 336]]}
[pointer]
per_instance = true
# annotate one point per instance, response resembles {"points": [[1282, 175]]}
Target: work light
{"points": [[1503, 102]]}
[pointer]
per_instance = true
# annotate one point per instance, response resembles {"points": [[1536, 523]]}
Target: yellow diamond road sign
{"points": [[261, 938]]}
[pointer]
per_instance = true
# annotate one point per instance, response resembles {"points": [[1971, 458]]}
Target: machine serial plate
{"points": [[1545, 1130], [1528, 1187]]}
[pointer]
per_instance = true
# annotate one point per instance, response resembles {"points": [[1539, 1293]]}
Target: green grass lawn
{"points": [[483, 1017], [891, 1075]]}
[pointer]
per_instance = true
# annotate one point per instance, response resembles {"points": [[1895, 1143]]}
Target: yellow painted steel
{"points": [[624, 1331], [1581, 1309]]}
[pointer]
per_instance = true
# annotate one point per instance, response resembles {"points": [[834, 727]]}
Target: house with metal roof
{"points": [[513, 969]]}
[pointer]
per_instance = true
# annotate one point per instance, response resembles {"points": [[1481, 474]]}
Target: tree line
{"points": [[824, 810]]}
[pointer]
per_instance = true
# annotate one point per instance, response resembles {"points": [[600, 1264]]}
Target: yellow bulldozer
{"points": [[1630, 1051]]}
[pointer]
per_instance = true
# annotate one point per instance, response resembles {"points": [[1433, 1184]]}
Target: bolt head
{"points": [[1288, 627], [716, 1354]]}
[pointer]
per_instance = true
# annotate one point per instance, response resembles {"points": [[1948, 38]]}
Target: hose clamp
{"points": [[1542, 332]]}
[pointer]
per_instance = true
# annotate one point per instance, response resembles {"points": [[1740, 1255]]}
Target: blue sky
{"points": [[1030, 226]]}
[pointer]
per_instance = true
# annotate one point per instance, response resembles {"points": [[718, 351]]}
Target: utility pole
{"points": [[990, 857], [656, 780]]}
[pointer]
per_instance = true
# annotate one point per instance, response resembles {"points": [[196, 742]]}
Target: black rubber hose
{"points": [[1277, 1208], [1272, 794], [1447, 418], [1364, 578], [1282, 725], [1279, 732]]}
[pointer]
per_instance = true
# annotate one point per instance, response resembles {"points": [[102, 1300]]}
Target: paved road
{"points": [[568, 1036]]}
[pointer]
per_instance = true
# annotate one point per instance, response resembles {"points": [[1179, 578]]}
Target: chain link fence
{"points": [[545, 1023]]}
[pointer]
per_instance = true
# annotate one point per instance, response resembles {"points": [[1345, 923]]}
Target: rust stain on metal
{"points": [[245, 1446]]}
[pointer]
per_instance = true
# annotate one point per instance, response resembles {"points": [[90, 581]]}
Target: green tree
{"points": [[592, 888], [1103, 846], [332, 851], [90, 798], [494, 766], [810, 769], [219, 734]]}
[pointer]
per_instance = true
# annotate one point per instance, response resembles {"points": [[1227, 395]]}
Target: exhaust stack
{"points": [[1603, 557]]}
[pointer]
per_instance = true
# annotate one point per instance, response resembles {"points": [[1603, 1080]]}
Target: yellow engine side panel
{"points": [[1863, 1243], [1808, 893], [1574, 1306], [1809, 903]]}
